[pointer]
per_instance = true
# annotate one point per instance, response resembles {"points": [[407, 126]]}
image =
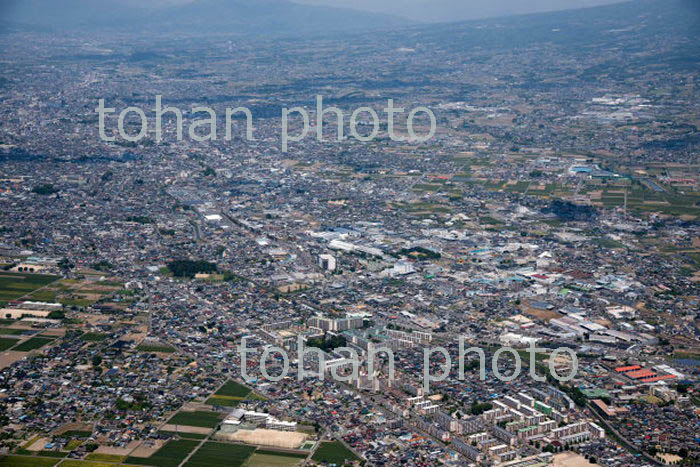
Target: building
{"points": [[335, 325], [327, 262], [237, 416]]}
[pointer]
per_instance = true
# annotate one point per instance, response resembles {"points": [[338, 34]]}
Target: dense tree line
{"points": [[567, 211], [189, 268]]}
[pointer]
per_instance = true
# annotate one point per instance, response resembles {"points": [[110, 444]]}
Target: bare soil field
{"points": [[263, 437], [186, 429], [10, 357], [148, 451], [569, 459]]}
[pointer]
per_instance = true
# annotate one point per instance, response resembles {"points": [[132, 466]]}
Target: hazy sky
{"points": [[455, 10]]}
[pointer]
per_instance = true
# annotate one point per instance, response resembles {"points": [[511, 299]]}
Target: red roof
{"points": [[623, 369], [657, 378], [643, 373]]}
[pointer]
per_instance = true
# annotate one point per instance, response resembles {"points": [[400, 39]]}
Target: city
{"points": [[555, 207]]}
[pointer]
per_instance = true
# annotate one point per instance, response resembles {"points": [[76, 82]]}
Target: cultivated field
{"points": [[269, 460], [199, 418], [15, 285], [333, 452], [171, 454], [220, 455]]}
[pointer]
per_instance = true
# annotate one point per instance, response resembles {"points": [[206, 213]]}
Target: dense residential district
{"points": [[557, 208]]}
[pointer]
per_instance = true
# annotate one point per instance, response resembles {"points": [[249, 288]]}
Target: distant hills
{"points": [[275, 18], [269, 17], [652, 29]]}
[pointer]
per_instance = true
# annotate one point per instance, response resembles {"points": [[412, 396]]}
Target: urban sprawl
{"points": [[556, 206]]}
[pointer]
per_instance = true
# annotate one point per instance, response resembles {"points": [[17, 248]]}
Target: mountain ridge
{"points": [[219, 16]]}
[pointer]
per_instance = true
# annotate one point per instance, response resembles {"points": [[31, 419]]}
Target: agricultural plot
{"points": [[44, 288], [17, 285], [74, 434], [273, 460], [57, 454], [173, 453], [183, 434], [77, 463], [26, 461], [642, 199], [333, 452], [231, 394], [44, 295], [154, 348], [33, 344], [200, 419], [220, 455], [105, 457], [14, 332], [233, 389], [224, 401], [263, 458], [7, 343], [93, 337]]}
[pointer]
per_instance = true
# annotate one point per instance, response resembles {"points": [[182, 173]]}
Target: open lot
{"points": [[569, 459], [9, 357]]}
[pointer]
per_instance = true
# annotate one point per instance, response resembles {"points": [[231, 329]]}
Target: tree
{"points": [[188, 268], [102, 266], [45, 189], [56, 314]]}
